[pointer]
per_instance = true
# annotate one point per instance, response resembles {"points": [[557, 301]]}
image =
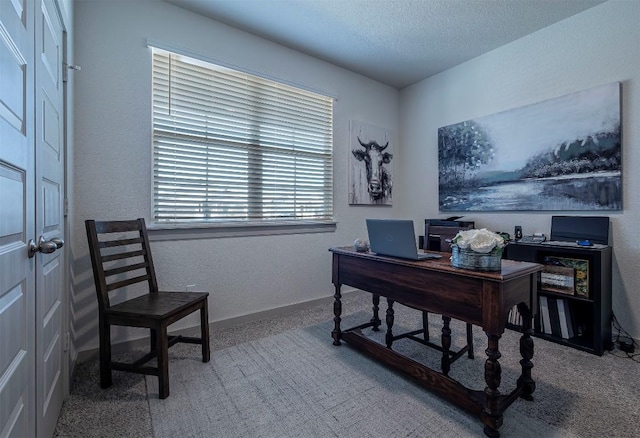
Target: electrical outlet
{"points": [[190, 288]]}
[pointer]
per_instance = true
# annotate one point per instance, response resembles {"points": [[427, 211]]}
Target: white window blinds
{"points": [[229, 146]]}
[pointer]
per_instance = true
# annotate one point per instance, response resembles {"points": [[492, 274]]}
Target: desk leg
{"points": [[336, 334], [470, 341], [526, 351], [445, 363], [425, 325], [492, 417], [389, 334], [376, 317]]}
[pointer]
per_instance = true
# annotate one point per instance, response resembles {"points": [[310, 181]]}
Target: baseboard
{"points": [[277, 312]]}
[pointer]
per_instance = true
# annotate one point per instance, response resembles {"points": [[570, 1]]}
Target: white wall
{"points": [[113, 159], [598, 46]]}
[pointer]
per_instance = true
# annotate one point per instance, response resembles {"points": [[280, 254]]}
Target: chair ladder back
{"points": [[147, 256], [96, 264], [118, 250]]}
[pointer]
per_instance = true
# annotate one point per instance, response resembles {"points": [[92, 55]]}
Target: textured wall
{"points": [[598, 46], [113, 159], [112, 152]]}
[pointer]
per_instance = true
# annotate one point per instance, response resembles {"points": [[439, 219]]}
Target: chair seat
{"points": [[160, 305]]}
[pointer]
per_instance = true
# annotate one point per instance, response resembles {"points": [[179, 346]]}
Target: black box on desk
{"points": [[439, 232]]}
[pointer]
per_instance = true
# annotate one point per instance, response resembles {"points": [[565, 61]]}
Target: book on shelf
{"points": [[562, 317], [565, 275], [570, 319], [514, 317], [554, 317], [560, 279], [544, 315], [557, 317]]}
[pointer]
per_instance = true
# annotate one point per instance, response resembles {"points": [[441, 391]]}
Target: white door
{"points": [[17, 219], [49, 223], [31, 199]]}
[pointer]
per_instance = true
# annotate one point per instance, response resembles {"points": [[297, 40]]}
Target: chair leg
{"points": [[470, 340], [105, 354], [152, 338], [162, 355], [204, 332]]}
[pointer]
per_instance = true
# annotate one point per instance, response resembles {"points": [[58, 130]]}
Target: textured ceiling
{"points": [[396, 42]]}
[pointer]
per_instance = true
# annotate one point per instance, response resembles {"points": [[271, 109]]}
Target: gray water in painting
{"points": [[600, 193]]}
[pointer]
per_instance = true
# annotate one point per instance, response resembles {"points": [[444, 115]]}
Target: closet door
{"points": [[49, 223], [17, 219], [31, 217]]}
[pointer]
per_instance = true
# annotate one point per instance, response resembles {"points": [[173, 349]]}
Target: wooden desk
{"points": [[480, 298]]}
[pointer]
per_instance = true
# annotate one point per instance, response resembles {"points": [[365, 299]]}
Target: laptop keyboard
{"points": [[428, 255]]}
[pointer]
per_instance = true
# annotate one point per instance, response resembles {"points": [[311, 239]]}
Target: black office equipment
{"points": [[594, 229], [535, 238], [439, 232]]}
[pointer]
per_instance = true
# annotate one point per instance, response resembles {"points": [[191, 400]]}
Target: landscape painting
{"points": [[370, 164], [560, 154]]}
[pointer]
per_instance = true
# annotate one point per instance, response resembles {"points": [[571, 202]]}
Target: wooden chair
{"points": [[443, 239], [121, 257], [443, 235]]}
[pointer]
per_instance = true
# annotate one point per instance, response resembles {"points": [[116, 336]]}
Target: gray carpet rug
{"points": [[586, 395], [297, 384]]}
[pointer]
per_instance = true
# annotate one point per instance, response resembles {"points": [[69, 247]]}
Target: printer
{"points": [[439, 232]]}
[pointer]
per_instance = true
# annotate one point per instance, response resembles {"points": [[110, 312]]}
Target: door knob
{"points": [[44, 246]]}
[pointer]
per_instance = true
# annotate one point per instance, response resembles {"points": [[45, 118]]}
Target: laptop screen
{"points": [[392, 237]]}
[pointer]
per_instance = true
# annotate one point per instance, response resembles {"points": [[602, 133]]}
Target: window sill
{"points": [[164, 232]]}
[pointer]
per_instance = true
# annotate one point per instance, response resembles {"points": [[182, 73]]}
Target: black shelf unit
{"points": [[592, 314]]}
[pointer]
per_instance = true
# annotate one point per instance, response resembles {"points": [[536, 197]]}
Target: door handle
{"points": [[44, 246]]}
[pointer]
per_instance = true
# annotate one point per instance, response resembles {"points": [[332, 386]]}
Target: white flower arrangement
{"points": [[481, 241]]}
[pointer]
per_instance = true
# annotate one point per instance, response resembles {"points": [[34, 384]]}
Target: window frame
{"points": [[175, 229]]}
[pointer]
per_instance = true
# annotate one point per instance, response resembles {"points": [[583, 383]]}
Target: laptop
{"points": [[395, 238]]}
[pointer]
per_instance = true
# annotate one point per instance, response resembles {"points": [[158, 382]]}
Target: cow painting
{"points": [[378, 177]]}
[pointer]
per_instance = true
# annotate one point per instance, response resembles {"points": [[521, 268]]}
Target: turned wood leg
{"points": [[425, 325], [336, 334], [389, 335], [376, 317], [491, 415], [445, 362], [470, 354], [526, 351]]}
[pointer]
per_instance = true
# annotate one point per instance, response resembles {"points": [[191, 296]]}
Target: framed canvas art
{"points": [[370, 164], [560, 154]]}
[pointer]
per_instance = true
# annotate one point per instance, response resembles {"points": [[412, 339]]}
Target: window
{"points": [[229, 146]]}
